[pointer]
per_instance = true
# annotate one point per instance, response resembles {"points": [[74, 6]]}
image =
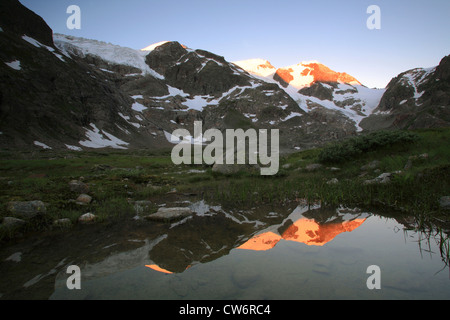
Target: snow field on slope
{"points": [[37, 44], [109, 52], [97, 139]]}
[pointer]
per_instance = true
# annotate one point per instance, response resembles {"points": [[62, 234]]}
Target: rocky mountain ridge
{"points": [[69, 93]]}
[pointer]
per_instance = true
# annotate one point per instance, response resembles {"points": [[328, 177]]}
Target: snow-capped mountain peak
{"points": [[258, 67], [315, 86], [154, 46]]}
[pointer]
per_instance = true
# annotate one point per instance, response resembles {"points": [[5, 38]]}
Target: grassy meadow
{"points": [[419, 162]]}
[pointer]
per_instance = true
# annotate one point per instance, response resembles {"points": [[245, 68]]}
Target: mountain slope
{"points": [[186, 85], [417, 98], [77, 94], [319, 90], [69, 93]]}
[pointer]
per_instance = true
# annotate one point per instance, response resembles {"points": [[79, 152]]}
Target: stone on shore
{"points": [[26, 209], [11, 222], [86, 218]]}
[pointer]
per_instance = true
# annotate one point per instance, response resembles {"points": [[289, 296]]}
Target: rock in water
{"points": [[170, 214], [142, 206]]}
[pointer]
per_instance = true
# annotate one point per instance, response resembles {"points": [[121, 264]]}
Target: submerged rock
{"points": [[142, 206], [170, 214]]}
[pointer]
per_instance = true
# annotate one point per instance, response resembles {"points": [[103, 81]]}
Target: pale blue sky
{"points": [[414, 33]]}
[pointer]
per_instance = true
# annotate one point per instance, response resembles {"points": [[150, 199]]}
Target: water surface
{"points": [[296, 252]]}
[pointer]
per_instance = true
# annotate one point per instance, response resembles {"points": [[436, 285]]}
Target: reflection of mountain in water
{"points": [[311, 231], [202, 239]]}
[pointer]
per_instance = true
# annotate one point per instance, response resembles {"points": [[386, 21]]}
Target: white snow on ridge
{"points": [[368, 98], [97, 139], [42, 145], [138, 107], [37, 44], [127, 119], [416, 77], [14, 65], [154, 46], [292, 115], [259, 67], [109, 52], [74, 148]]}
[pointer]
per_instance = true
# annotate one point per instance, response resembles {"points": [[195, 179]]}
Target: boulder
{"points": [[27, 209], [372, 165], [84, 199], [333, 181], [382, 178], [170, 214], [78, 187], [87, 217], [11, 223], [313, 167]]}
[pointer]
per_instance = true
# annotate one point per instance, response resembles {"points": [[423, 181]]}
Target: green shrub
{"points": [[353, 147]]}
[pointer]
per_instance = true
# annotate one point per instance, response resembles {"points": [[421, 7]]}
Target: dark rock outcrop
{"points": [[16, 18]]}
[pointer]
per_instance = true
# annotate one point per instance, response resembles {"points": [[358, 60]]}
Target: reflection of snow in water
{"points": [[201, 208], [114, 264], [306, 230]]}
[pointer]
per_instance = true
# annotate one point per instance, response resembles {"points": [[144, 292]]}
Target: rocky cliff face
{"points": [[17, 19], [47, 99]]}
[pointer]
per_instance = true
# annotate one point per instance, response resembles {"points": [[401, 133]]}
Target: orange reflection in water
{"points": [[157, 268], [304, 230]]}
